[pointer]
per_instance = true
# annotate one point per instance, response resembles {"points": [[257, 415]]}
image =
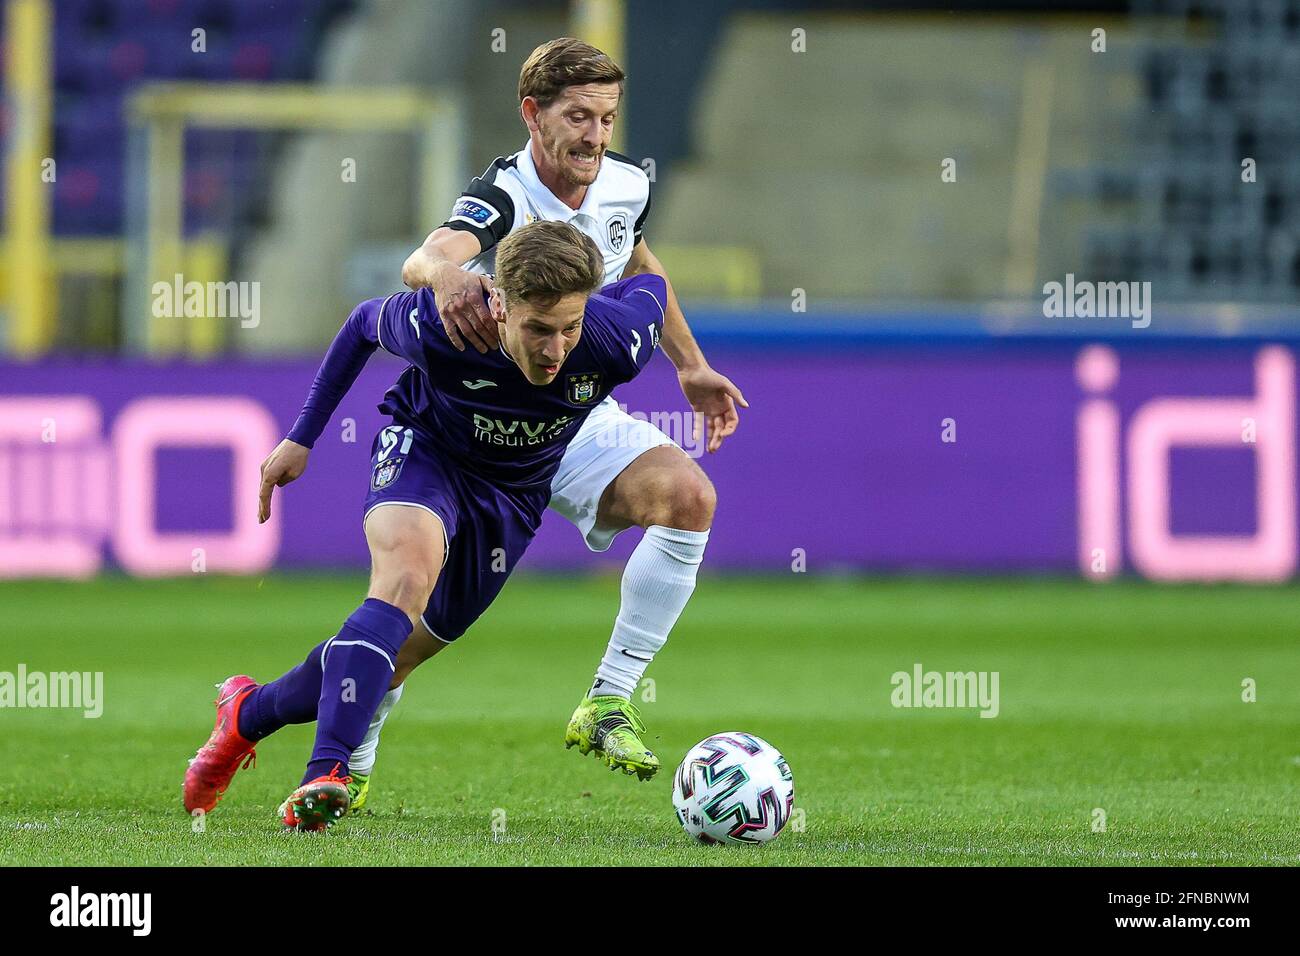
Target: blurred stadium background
{"points": [[859, 204]]}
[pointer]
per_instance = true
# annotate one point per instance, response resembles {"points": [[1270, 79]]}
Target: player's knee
{"points": [[406, 587], [694, 502], [405, 555], [680, 498]]}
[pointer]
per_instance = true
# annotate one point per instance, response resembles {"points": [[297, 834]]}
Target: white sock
{"points": [[363, 758], [657, 583]]}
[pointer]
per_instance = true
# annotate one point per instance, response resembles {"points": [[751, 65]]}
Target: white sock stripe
{"points": [[678, 534], [684, 546], [378, 650]]}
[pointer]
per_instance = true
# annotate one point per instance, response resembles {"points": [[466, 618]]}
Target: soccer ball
{"points": [[733, 788]]}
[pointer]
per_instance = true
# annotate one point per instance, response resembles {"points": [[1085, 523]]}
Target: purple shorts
{"points": [[488, 528]]}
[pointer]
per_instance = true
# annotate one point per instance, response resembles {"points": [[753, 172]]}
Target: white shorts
{"points": [[607, 442]]}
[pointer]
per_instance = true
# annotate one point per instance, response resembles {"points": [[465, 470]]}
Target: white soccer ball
{"points": [[733, 788]]}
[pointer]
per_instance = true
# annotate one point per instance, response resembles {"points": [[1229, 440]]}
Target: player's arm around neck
{"points": [[712, 395], [442, 249], [458, 295]]}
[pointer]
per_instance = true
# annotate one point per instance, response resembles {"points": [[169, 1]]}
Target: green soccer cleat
{"points": [[359, 790], [610, 728], [317, 805]]}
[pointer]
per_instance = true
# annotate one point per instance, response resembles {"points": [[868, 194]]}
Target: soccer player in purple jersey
{"points": [[620, 471], [460, 479]]}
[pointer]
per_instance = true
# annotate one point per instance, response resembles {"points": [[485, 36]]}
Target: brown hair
{"points": [[544, 261], [565, 62]]}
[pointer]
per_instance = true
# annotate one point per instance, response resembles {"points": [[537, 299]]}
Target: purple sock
{"points": [[289, 699], [359, 665]]}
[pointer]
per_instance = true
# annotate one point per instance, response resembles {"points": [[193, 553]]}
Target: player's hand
{"points": [[287, 462], [714, 398], [459, 298]]}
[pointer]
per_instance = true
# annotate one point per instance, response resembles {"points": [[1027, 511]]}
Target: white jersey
{"points": [[510, 194]]}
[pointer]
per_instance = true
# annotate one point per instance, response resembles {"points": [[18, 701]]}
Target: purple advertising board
{"points": [[1172, 461]]}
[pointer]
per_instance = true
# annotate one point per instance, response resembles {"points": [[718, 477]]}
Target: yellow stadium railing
{"points": [[162, 112], [27, 193], [603, 24]]}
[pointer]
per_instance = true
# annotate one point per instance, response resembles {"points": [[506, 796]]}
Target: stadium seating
{"points": [[842, 196], [1218, 86], [102, 48]]}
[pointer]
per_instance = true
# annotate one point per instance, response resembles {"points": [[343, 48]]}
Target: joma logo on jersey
{"points": [[517, 432], [583, 389]]}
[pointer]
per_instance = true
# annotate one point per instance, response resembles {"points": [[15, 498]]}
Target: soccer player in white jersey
{"points": [[619, 472]]}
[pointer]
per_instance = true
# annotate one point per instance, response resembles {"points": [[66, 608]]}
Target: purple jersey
{"points": [[479, 410], [472, 440]]}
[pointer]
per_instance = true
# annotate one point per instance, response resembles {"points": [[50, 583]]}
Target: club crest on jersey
{"points": [[617, 229], [583, 389], [474, 211], [386, 473]]}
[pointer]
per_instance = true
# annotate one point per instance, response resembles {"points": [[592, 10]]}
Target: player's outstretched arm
{"points": [[285, 464], [458, 294], [347, 356], [712, 395]]}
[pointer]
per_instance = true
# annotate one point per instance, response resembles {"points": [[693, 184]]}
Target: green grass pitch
{"points": [[1125, 697]]}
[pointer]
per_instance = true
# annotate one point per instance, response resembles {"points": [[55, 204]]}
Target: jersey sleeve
{"points": [[632, 322], [634, 178], [402, 322], [344, 361], [399, 324], [645, 212], [485, 210], [647, 282]]}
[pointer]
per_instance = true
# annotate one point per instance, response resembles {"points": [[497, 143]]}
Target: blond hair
{"points": [[544, 261]]}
